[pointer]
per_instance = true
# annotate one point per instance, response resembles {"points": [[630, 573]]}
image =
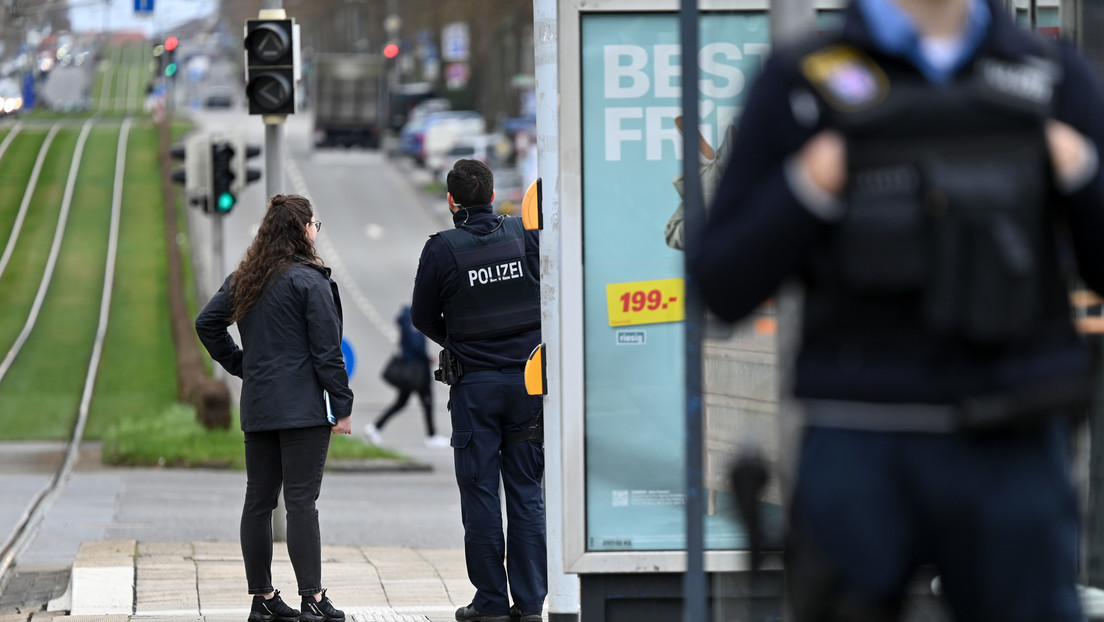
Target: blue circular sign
{"points": [[350, 357]]}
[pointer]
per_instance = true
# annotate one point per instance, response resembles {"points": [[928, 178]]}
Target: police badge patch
{"points": [[845, 77]]}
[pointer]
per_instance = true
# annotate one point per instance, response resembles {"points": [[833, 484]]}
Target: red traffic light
{"points": [[391, 50], [170, 44]]}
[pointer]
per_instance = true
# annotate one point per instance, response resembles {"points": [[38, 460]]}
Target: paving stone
{"points": [[165, 550], [414, 592], [90, 618], [215, 551], [332, 554], [30, 591], [106, 554], [383, 615]]}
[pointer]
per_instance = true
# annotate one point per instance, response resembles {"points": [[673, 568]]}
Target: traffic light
{"points": [[170, 57], [195, 174], [158, 60], [391, 50], [271, 55], [222, 176], [239, 157]]}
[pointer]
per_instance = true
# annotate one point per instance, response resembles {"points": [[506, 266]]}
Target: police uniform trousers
{"points": [[995, 513], [486, 406]]}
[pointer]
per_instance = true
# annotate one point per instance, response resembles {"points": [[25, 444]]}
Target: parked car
{"points": [[11, 97], [510, 189], [442, 130], [219, 96], [413, 131], [490, 149]]}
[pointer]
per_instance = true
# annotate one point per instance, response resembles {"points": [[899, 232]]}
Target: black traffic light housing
{"points": [[195, 174], [271, 50], [229, 171], [223, 176]]}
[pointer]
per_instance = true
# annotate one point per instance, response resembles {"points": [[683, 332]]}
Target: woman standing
{"points": [[288, 313]]}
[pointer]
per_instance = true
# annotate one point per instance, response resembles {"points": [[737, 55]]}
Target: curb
{"points": [[380, 465]]}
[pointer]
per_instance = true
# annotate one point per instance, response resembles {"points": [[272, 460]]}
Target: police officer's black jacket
{"points": [[291, 349], [437, 280], [759, 233]]}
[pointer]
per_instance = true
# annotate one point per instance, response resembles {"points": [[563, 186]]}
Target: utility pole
{"points": [[274, 184], [694, 585]]}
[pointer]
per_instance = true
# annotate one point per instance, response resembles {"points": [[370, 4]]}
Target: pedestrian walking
{"points": [[412, 353], [288, 313], [476, 294], [917, 173]]}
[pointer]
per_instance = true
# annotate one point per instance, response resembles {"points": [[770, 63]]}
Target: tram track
{"points": [[25, 528], [25, 204]]}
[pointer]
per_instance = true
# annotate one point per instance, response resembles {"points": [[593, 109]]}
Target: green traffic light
{"points": [[170, 69], [225, 202]]}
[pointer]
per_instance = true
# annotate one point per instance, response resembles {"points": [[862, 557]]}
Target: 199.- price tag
{"points": [[645, 302]]}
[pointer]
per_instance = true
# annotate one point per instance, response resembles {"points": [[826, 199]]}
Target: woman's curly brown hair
{"points": [[281, 241]]}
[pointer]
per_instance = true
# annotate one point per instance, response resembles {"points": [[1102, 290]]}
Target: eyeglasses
{"points": [[317, 224]]}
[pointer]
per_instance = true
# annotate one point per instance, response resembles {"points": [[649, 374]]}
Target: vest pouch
{"points": [[986, 278], [883, 238], [1003, 302]]}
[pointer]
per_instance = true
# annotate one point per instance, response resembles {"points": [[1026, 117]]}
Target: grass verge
{"points": [[174, 439]]}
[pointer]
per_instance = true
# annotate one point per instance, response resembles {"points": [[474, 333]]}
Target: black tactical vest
{"points": [[945, 205], [497, 295]]}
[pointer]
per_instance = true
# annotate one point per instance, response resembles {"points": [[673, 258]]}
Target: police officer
{"points": [[476, 294], [915, 172]]}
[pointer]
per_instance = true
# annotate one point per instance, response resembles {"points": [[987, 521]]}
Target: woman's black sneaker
{"points": [[320, 611], [272, 610]]}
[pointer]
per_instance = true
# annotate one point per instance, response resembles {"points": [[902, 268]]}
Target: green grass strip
{"points": [[48, 375], [15, 172], [137, 378], [20, 281], [174, 439]]}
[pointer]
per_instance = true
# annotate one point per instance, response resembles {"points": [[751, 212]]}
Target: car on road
{"points": [[11, 97], [442, 130], [510, 187], [412, 133], [490, 149], [219, 96]]}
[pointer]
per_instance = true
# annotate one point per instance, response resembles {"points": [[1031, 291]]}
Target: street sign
{"points": [[456, 75], [454, 40], [350, 356], [143, 6]]}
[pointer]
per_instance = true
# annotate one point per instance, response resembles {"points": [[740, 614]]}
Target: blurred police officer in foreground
{"points": [[920, 172], [477, 295]]}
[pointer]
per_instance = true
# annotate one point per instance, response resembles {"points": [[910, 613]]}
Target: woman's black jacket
{"points": [[291, 350]]}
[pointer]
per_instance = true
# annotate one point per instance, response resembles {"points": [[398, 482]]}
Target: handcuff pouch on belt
{"points": [[449, 370]]}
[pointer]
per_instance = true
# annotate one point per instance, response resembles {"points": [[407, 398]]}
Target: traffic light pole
{"points": [[274, 182], [274, 152], [274, 132]]}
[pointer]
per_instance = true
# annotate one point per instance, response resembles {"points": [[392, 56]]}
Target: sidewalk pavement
{"points": [[127, 580]]}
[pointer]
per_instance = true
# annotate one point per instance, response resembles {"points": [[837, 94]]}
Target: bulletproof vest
{"points": [[947, 191], [496, 293]]}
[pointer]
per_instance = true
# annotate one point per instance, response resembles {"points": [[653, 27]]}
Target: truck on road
{"points": [[347, 100]]}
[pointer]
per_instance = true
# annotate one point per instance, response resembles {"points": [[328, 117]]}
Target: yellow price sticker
{"points": [[645, 302]]}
